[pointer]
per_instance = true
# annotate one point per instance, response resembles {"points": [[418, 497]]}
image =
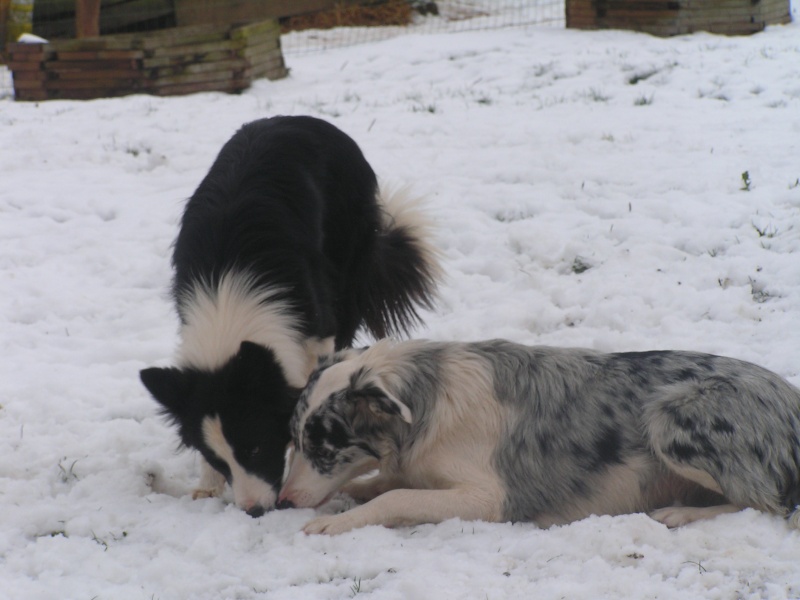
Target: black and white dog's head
{"points": [[237, 416], [340, 425]]}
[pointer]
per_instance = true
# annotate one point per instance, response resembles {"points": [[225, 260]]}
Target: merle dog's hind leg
{"points": [[711, 433]]}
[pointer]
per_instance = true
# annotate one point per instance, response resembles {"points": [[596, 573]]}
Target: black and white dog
{"points": [[285, 250], [503, 432]]}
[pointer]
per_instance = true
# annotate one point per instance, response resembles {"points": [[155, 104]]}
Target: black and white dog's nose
{"points": [[256, 511]]}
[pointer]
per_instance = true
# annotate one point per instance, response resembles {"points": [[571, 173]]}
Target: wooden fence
{"points": [[181, 60], [673, 17]]}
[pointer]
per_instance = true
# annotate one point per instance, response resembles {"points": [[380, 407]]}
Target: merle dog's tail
{"points": [[402, 271]]}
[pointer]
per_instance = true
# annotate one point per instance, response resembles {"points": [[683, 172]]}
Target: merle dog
{"points": [[504, 432]]}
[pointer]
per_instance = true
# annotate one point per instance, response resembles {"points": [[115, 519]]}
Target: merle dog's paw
{"points": [[332, 524]]}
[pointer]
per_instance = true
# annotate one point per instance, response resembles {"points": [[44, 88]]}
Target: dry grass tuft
{"points": [[390, 12]]}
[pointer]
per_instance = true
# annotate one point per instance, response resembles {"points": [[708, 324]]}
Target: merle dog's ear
{"points": [[380, 402], [169, 387]]}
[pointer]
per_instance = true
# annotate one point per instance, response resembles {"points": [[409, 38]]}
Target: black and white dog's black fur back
{"points": [[503, 432], [285, 250]]}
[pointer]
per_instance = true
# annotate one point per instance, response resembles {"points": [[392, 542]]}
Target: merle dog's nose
{"points": [[255, 511], [284, 504]]}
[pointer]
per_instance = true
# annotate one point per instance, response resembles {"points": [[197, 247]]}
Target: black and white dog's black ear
{"points": [[169, 387], [381, 403]]}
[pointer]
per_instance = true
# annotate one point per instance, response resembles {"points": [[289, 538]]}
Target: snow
{"points": [[572, 207]]}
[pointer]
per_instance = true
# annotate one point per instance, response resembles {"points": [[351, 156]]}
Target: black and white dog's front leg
{"points": [[401, 507], [212, 482]]}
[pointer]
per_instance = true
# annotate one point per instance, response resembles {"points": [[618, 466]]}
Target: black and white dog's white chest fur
{"points": [[503, 432], [285, 250]]}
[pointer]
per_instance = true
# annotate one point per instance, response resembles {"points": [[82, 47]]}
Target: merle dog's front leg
{"points": [[411, 507]]}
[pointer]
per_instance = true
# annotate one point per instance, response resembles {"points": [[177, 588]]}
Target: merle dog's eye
{"points": [[255, 452]]}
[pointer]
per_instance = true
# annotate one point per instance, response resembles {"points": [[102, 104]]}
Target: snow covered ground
{"points": [[588, 190]]}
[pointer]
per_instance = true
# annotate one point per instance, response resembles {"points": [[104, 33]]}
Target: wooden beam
{"points": [[87, 18]]}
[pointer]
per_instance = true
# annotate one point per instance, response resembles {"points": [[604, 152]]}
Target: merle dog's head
{"points": [[237, 417], [339, 426]]}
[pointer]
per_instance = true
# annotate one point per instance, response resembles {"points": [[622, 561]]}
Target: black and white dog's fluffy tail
{"points": [[402, 271], [292, 204]]}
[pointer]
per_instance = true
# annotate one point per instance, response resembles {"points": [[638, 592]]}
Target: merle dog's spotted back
{"points": [[584, 412]]}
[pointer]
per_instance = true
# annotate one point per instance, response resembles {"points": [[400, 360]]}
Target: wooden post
{"points": [[4, 4], [87, 18]]}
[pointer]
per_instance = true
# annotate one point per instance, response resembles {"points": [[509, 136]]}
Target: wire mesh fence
{"points": [[338, 27], [450, 16]]}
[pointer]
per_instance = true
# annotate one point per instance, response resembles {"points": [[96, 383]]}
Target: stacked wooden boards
{"points": [[674, 17], [181, 60]]}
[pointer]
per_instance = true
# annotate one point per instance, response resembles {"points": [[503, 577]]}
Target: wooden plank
{"points": [[263, 42], [272, 71], [194, 88], [183, 37], [255, 53], [31, 58], [24, 66], [190, 78], [58, 66], [84, 45], [195, 49], [182, 59], [78, 55], [236, 64], [20, 48], [29, 84], [269, 28], [107, 75], [31, 95], [113, 83], [29, 76]]}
